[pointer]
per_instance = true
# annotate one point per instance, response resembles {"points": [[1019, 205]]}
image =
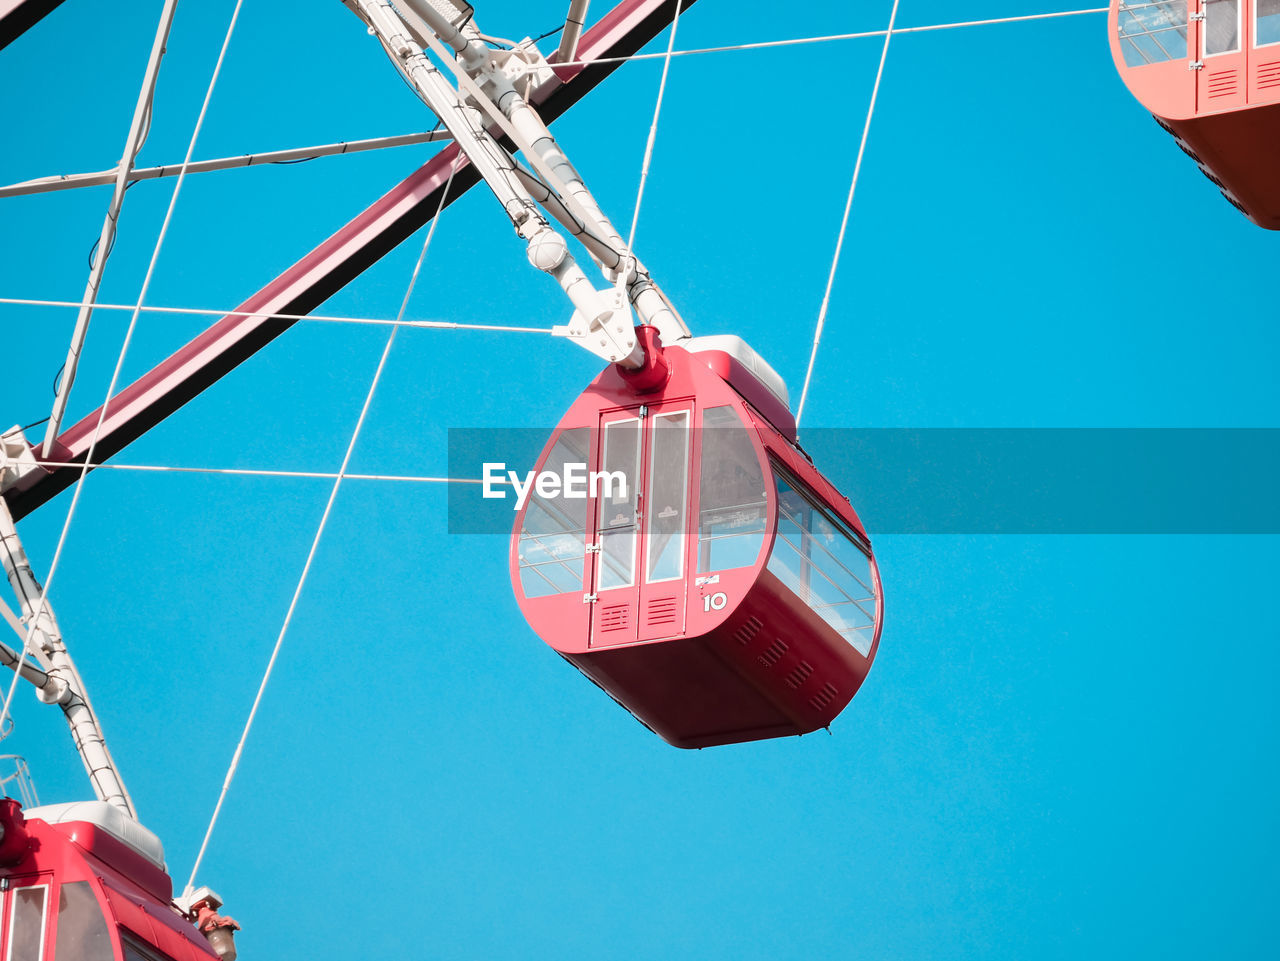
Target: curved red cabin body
{"points": [[729, 592], [82, 882], [1209, 70]]}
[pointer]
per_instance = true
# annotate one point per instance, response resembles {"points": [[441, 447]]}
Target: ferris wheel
{"points": [[705, 573]]}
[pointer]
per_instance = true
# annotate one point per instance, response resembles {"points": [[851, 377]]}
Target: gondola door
{"points": [[665, 537], [1221, 80], [639, 544], [615, 544]]}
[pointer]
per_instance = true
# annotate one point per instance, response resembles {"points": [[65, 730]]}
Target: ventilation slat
{"points": [[661, 610], [1223, 83], [747, 631], [772, 654], [801, 674], [824, 697]]}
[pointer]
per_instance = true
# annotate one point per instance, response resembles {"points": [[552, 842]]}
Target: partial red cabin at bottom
{"points": [[726, 591], [83, 882]]}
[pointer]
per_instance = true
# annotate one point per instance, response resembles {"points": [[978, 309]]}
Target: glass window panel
{"points": [[621, 458], [554, 532], [1152, 47], [1153, 32], [837, 593], [617, 548], [1135, 54], [844, 565], [824, 565], [1268, 28], [668, 487], [732, 509], [135, 951], [787, 561], [82, 930], [26, 923], [617, 502], [1221, 26]]}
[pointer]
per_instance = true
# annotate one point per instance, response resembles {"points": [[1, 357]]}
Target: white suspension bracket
{"points": [[499, 83], [598, 311], [524, 66], [605, 334], [18, 466], [602, 321], [56, 680]]}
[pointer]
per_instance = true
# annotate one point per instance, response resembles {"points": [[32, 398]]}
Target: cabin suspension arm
{"points": [[499, 81], [496, 85], [605, 314], [55, 678]]}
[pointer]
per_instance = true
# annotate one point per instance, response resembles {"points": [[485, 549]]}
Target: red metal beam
{"points": [[325, 270], [19, 16]]}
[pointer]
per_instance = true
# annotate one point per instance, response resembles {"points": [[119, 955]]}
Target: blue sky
{"points": [[1066, 745]]}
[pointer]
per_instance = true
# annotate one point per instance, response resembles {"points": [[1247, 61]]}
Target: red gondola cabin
{"points": [[84, 882], [710, 579], [1209, 70]]}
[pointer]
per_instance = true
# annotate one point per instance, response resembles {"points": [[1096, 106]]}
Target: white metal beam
{"points": [[138, 129], [573, 24], [59, 682], [72, 181]]}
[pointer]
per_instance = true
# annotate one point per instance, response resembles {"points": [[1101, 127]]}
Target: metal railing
{"points": [[1149, 20], [18, 777]]}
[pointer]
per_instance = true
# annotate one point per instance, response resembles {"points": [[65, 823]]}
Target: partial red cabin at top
{"points": [[1209, 71]]}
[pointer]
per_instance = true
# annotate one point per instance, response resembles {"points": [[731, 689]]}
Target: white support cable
{"points": [[831, 37], [315, 542], [262, 472], [69, 181], [263, 315], [653, 128], [76, 180], [844, 220], [139, 127], [288, 618], [994, 20], [115, 376], [292, 155], [338, 148]]}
